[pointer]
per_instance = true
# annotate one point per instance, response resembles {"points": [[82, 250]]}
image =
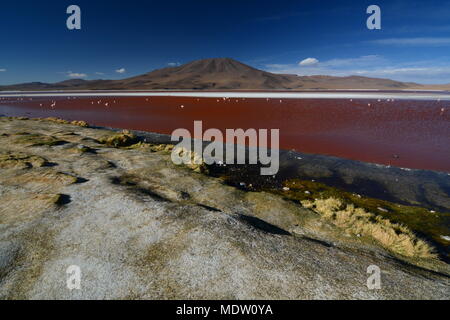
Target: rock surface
{"points": [[140, 227]]}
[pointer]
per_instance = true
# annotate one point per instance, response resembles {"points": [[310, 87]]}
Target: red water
{"points": [[405, 133]]}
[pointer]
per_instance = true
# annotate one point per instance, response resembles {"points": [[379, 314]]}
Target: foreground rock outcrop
{"points": [[140, 227]]}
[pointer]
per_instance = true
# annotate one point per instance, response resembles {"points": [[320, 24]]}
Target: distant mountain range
{"points": [[224, 74]]}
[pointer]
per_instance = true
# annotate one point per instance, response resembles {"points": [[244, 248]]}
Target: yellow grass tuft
{"points": [[193, 160], [152, 147], [357, 221], [57, 120], [123, 139], [79, 123]]}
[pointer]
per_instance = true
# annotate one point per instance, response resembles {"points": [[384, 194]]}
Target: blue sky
{"points": [[120, 39]]}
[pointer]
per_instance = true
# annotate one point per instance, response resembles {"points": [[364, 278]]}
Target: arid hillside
{"points": [[223, 74]]}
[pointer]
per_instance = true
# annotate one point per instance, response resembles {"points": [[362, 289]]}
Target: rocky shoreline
{"points": [[140, 227]]}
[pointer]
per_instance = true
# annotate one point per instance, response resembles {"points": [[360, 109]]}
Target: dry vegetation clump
{"points": [[10, 160], [37, 139], [357, 221], [191, 159], [123, 139], [62, 121], [57, 120], [162, 147], [153, 147], [418, 219], [79, 123], [81, 149]]}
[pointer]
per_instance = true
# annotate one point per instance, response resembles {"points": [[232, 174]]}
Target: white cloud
{"points": [[277, 66], [308, 62], [174, 64], [425, 41], [71, 74], [337, 66], [121, 70], [2, 70], [430, 71], [99, 73]]}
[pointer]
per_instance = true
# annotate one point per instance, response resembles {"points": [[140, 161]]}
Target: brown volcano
{"points": [[220, 73], [223, 74]]}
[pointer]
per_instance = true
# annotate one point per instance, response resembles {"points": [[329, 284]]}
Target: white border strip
{"points": [[260, 95]]}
